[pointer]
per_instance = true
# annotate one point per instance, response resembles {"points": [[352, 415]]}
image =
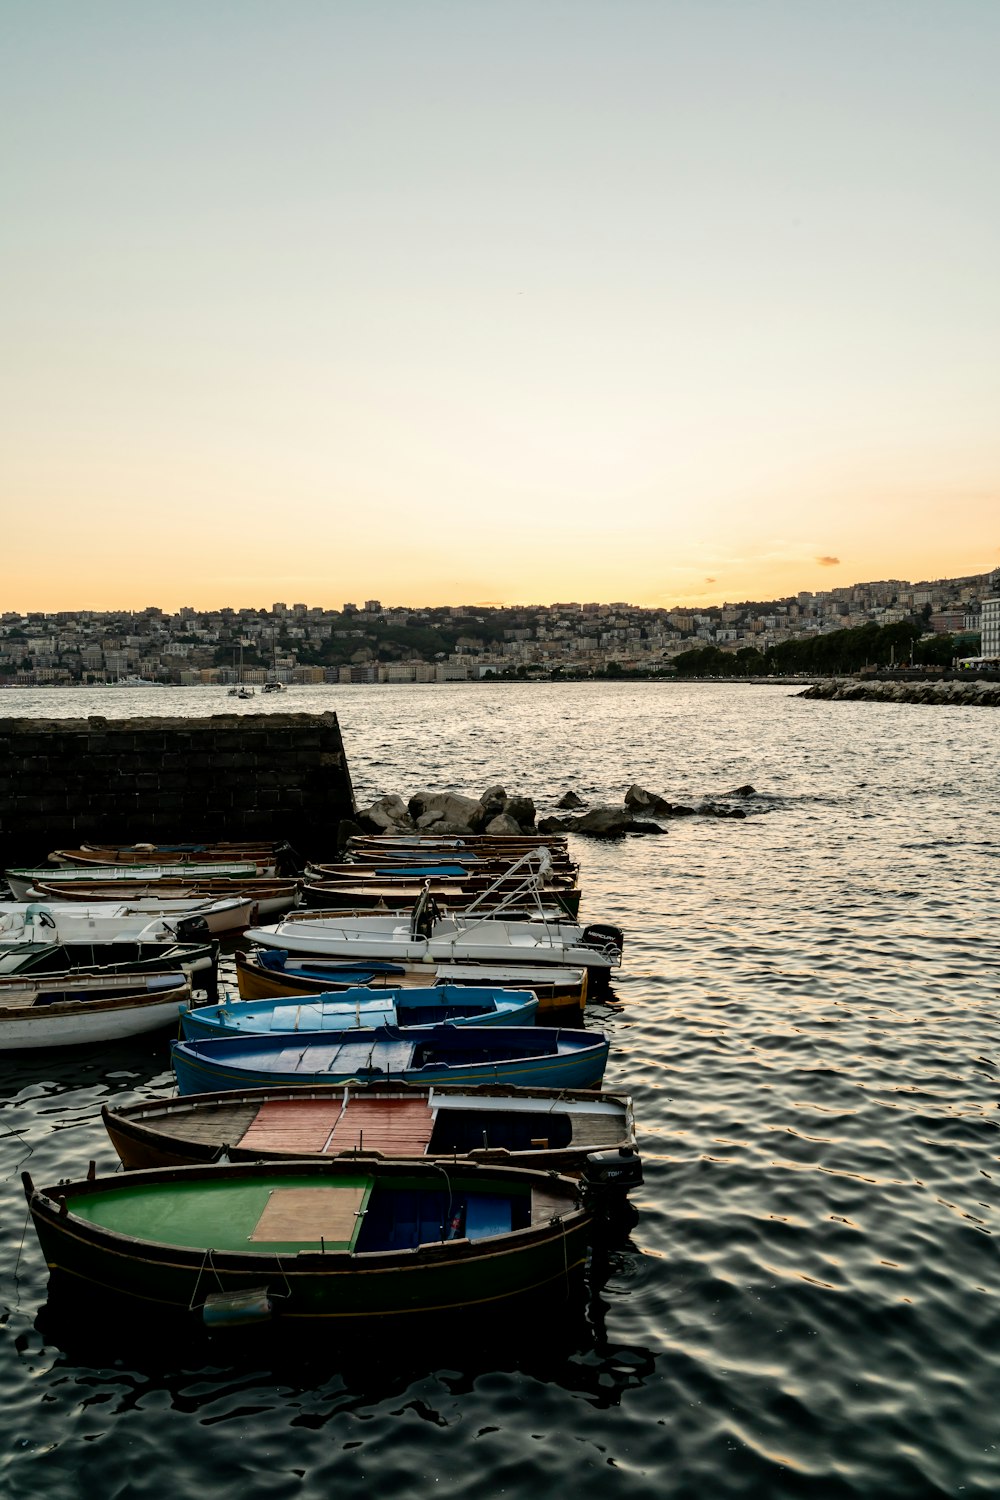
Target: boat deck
{"points": [[302, 1126]]}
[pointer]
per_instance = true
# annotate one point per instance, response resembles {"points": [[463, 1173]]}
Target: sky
{"points": [[453, 301]]}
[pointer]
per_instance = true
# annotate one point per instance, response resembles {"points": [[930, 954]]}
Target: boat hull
{"points": [[314, 1282]]}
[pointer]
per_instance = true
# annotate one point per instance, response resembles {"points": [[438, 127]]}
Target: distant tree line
{"points": [[840, 651]]}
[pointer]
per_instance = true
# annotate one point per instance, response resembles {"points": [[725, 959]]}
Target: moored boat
{"points": [[268, 898], [546, 1128], [462, 937], [330, 1239], [148, 920], [398, 893], [267, 973], [109, 960], [546, 1057], [72, 1011], [361, 1007], [269, 859], [22, 879]]}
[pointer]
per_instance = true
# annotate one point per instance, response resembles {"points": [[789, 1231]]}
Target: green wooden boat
{"points": [[341, 1241]]}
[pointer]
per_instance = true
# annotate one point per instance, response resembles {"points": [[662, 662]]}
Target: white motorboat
{"points": [[483, 933], [446, 940]]}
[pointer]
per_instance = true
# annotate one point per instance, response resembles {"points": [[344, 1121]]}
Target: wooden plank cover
{"points": [[396, 1127], [545, 1206], [301, 1126], [309, 1214]]}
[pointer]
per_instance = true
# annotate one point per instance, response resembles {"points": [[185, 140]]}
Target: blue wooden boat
{"points": [[529, 1055], [362, 1007]]}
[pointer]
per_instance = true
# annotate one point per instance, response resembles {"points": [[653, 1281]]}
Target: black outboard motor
{"points": [[192, 929], [607, 1179], [603, 936], [287, 862]]}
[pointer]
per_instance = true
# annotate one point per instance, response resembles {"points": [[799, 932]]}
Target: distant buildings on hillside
{"points": [[373, 643]]}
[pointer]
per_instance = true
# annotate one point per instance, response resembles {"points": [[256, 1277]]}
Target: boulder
{"points": [[609, 822], [719, 810], [446, 812], [522, 810], [681, 810], [503, 823], [741, 791], [347, 829], [570, 799], [387, 815], [554, 825], [642, 801], [493, 800]]}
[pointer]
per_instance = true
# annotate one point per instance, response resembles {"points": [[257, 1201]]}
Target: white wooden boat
{"points": [[110, 921], [73, 1010]]}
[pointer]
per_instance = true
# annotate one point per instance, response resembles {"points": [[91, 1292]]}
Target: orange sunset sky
{"points": [[438, 301]]}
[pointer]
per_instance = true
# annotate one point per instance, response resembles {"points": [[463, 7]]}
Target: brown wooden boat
{"points": [[270, 896], [494, 1124], [267, 857], [399, 895]]}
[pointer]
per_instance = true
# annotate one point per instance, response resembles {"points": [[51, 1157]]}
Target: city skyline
{"points": [[665, 304]]}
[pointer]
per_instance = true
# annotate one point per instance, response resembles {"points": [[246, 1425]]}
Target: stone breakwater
{"points": [[975, 694], [244, 777]]}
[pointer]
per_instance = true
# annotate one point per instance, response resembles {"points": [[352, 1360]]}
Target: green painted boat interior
{"points": [[285, 1215], [226, 1215]]}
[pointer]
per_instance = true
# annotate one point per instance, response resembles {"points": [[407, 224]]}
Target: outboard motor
{"points": [[287, 862], [191, 929], [607, 1179], [604, 937]]}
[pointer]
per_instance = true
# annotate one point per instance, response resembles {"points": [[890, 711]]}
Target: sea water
{"points": [[806, 1017]]}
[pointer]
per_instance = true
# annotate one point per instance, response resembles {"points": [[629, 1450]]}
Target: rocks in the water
{"points": [[642, 801], [570, 800], [503, 825], [446, 813], [495, 812], [347, 829], [493, 801], [976, 693], [602, 822], [387, 814], [720, 810], [522, 811]]}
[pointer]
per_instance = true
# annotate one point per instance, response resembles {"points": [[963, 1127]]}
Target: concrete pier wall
{"points": [[64, 782]]}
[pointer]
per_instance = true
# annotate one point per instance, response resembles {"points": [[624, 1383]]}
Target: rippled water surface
{"points": [[807, 1019]]}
